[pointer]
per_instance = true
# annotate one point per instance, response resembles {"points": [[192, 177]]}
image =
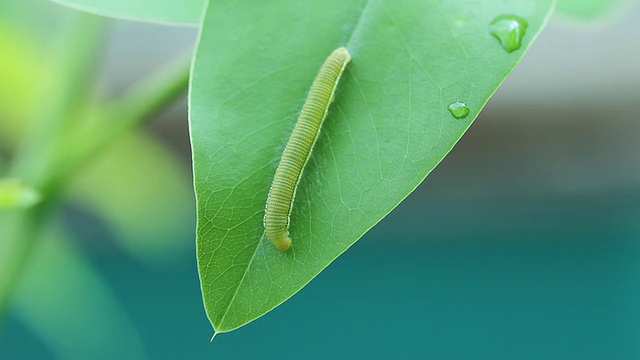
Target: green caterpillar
{"points": [[298, 149]]}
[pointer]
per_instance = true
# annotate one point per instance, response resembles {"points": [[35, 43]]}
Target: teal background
{"points": [[543, 279]]}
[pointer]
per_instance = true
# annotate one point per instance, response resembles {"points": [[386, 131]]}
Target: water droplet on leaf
{"points": [[459, 110], [509, 30]]}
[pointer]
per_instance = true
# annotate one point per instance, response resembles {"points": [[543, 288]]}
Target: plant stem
{"points": [[137, 106]]}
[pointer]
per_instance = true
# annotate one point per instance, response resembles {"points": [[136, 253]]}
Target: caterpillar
{"points": [[297, 152]]}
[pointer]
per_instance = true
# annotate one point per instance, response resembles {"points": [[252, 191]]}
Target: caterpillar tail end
{"points": [[282, 244]]}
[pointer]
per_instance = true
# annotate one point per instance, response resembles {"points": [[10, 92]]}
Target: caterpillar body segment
{"points": [[297, 152]]}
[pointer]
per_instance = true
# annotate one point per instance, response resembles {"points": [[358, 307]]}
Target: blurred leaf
{"points": [[21, 71], [33, 17], [71, 308], [140, 189], [586, 9], [31, 30], [16, 194], [152, 218], [166, 11], [388, 128]]}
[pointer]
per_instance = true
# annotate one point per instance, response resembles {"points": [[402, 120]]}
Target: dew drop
{"points": [[459, 110], [509, 30]]}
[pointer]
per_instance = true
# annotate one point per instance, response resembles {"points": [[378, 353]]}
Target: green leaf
{"points": [[586, 9], [16, 194], [165, 11], [387, 129]]}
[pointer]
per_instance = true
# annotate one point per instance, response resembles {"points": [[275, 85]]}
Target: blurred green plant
{"points": [[15, 194], [588, 9], [61, 141], [388, 128]]}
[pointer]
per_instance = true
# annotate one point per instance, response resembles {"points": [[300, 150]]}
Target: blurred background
{"points": [[524, 243]]}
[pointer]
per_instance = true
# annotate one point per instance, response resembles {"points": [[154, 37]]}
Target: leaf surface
{"points": [[387, 129]]}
